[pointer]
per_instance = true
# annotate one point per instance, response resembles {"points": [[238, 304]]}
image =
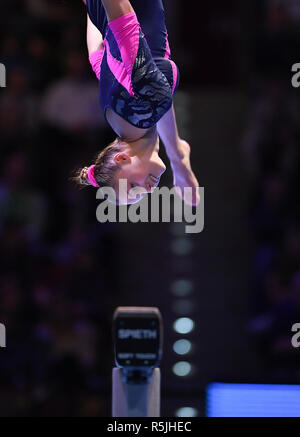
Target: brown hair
{"points": [[105, 166]]}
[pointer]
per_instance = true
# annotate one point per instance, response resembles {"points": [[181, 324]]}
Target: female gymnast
{"points": [[137, 81]]}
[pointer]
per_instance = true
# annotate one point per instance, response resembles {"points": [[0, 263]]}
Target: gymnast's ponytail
{"points": [[102, 172]]}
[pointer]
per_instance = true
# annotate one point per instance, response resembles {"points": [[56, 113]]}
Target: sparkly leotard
{"points": [[137, 78]]}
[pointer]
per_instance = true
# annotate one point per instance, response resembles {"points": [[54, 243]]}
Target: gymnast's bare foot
{"points": [[184, 176]]}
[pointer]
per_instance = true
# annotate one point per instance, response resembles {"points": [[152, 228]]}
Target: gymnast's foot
{"points": [[183, 176]]}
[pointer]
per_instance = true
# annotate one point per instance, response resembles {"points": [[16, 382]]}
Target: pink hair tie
{"points": [[91, 176]]}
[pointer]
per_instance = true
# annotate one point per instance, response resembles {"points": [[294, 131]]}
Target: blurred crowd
{"points": [[271, 148], [56, 263]]}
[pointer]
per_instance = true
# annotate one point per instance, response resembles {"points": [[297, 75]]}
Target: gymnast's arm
{"points": [[95, 46], [94, 38]]}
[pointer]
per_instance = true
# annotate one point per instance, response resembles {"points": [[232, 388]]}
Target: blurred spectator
{"points": [[18, 202], [18, 105], [72, 103]]}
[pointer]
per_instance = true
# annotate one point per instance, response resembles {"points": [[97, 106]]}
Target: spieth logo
{"points": [[2, 76], [137, 334], [2, 335]]}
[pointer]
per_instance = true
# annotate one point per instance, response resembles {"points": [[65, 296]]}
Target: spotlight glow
{"points": [[182, 246], [186, 412], [182, 287], [182, 347], [183, 325], [182, 368]]}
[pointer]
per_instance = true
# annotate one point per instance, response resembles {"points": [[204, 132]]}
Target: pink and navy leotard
{"points": [[137, 78]]}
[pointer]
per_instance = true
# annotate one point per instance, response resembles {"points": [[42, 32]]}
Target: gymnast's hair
{"points": [[104, 167]]}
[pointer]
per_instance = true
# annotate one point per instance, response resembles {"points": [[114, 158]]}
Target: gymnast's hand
{"points": [[184, 176]]}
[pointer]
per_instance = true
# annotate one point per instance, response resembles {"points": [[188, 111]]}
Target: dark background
{"points": [[62, 273]]}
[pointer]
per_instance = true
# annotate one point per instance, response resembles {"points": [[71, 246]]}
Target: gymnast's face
{"points": [[142, 174]]}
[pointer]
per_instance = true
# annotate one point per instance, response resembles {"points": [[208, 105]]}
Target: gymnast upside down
{"points": [[137, 82]]}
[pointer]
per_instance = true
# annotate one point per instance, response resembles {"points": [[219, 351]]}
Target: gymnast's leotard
{"points": [[137, 78]]}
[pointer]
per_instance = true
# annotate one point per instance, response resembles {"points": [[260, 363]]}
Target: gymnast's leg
{"points": [[178, 151], [117, 8]]}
